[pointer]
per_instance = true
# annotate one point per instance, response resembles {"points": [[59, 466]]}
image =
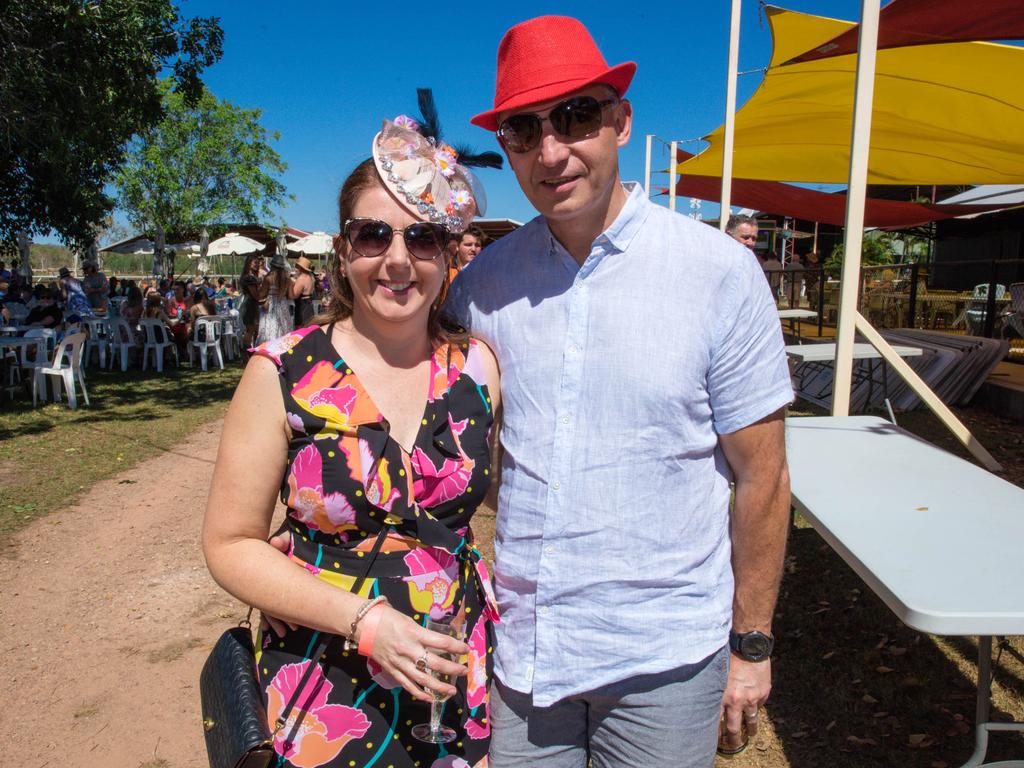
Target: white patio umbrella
{"points": [[318, 243], [233, 244]]}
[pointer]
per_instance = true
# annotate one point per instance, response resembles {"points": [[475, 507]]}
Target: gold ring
{"points": [[421, 662]]}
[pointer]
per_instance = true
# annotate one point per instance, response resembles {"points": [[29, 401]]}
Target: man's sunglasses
{"points": [[575, 118], [425, 240]]}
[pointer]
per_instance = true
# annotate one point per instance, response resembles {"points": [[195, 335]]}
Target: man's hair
{"points": [[736, 219], [475, 231]]}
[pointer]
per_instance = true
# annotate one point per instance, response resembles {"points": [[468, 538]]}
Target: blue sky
{"points": [[326, 73]]}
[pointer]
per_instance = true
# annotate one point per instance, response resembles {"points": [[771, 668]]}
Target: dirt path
{"points": [[107, 613]]}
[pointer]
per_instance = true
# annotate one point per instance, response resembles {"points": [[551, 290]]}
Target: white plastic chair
{"points": [[98, 339], [976, 314], [158, 339], [66, 364], [205, 338], [1015, 318], [121, 340], [231, 333]]}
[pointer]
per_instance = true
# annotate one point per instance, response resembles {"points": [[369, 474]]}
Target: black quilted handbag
{"points": [[234, 719]]}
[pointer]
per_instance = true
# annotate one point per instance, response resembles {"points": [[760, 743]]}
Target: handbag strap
{"points": [[325, 640]]}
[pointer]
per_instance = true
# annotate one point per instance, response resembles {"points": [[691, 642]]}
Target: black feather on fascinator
{"points": [[430, 126]]}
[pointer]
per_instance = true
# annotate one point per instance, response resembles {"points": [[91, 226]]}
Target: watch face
{"points": [[755, 646]]}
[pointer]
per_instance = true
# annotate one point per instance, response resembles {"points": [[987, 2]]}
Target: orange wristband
{"points": [[370, 623]]}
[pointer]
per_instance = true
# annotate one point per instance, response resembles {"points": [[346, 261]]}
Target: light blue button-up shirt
{"points": [[612, 552]]}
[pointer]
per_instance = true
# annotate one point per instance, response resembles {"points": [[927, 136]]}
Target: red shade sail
{"points": [[810, 205], [924, 22]]}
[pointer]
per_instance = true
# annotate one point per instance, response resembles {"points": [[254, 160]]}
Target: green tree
{"points": [[876, 248], [202, 164], [78, 78]]}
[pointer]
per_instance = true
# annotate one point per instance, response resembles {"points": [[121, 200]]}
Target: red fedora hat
{"points": [[548, 57]]}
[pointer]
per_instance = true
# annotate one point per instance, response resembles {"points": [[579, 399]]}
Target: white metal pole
{"points": [[730, 113], [647, 165], [860, 145], [672, 177]]}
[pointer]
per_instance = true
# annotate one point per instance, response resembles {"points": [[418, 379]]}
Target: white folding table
{"points": [[795, 316], [937, 538], [811, 359]]}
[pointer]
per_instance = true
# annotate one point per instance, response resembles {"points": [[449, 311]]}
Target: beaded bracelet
{"points": [[364, 609]]}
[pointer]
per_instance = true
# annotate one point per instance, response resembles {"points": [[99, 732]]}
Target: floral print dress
{"points": [[346, 480]]}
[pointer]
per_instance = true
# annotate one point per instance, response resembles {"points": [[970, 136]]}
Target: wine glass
{"points": [[433, 732]]}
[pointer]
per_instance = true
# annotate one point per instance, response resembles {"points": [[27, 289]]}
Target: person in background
{"points": [[202, 306], [132, 307], [276, 311], [773, 272], [249, 309], [222, 289], [76, 304], [470, 243], [94, 284], [47, 314], [113, 287], [177, 308], [302, 291], [742, 229], [155, 310]]}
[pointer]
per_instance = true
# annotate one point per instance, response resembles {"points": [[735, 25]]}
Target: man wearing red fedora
{"points": [[643, 378]]}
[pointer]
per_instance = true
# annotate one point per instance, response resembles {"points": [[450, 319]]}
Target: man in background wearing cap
{"points": [[642, 371]]}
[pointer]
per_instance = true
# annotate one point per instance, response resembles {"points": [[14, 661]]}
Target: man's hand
{"points": [[746, 691]]}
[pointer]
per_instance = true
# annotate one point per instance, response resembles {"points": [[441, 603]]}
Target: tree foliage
{"points": [[202, 164], [78, 78], [876, 248]]}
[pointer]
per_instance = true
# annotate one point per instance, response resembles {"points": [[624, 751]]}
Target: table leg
{"points": [[982, 725]]}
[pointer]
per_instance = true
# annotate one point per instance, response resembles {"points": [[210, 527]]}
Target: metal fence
{"points": [[907, 296]]}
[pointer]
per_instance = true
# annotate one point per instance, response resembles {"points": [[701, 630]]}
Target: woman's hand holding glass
{"points": [[401, 642]]}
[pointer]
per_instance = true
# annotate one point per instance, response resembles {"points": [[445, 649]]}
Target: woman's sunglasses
{"points": [[425, 240], [575, 118]]}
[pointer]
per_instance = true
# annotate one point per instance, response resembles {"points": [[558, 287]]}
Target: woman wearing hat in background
{"points": [[378, 422], [276, 317], [301, 292]]}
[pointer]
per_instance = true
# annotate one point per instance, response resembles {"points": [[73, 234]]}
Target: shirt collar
{"points": [[632, 216], [621, 232]]}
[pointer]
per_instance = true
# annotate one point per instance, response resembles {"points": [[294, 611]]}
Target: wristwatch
{"points": [[751, 646]]}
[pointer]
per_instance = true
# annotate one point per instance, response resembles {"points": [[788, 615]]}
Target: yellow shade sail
{"points": [[948, 113]]}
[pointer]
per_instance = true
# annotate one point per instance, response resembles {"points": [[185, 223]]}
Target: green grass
{"points": [[52, 454]]}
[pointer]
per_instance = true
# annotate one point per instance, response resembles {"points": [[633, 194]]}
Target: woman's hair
{"points": [[199, 297], [248, 264], [440, 327], [154, 301], [134, 298]]}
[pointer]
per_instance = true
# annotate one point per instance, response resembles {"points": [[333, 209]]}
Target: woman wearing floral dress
{"points": [[374, 428]]}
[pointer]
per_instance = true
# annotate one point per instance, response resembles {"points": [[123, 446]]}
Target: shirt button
{"points": [[549, 550], [572, 348], [543, 609], [565, 419], [556, 485]]}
